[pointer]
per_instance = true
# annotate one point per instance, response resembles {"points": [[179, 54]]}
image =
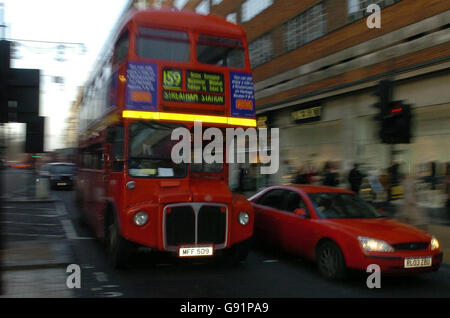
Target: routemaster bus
{"points": [[165, 69]]}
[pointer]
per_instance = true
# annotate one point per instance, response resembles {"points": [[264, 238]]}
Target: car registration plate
{"points": [[61, 183], [195, 251], [414, 262]]}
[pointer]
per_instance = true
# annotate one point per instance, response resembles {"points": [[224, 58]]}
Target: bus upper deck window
{"points": [[220, 51], [163, 44], [121, 48]]}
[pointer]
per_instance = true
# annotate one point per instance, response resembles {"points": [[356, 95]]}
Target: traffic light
{"points": [[384, 93], [396, 126], [394, 117], [4, 70], [34, 142]]}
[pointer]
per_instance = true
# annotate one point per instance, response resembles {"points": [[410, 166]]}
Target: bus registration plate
{"points": [[195, 251]]}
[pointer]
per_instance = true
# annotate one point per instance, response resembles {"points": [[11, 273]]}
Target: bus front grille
{"points": [[211, 225], [180, 225], [195, 223]]}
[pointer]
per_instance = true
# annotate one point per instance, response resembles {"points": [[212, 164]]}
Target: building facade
{"points": [[316, 64]]}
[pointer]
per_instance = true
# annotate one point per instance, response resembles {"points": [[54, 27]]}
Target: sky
{"points": [[72, 21]]}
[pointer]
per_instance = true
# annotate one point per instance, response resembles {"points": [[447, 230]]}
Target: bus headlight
{"points": [[140, 218], [243, 218], [434, 243]]}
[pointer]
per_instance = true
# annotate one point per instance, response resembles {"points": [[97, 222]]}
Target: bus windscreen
{"points": [[150, 151]]}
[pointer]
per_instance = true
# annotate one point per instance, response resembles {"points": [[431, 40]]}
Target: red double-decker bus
{"points": [[165, 69]]}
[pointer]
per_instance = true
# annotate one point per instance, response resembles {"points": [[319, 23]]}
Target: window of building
{"points": [[357, 9], [216, 2], [203, 7], [252, 8], [305, 27], [232, 17], [179, 4], [261, 50]]}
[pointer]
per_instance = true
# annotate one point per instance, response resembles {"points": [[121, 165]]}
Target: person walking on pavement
{"points": [[410, 212], [355, 178], [330, 177], [300, 177]]}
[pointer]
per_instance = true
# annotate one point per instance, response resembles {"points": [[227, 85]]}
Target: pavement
{"points": [[35, 250]]}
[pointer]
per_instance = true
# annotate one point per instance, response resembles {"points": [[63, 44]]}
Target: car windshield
{"points": [[342, 206], [61, 169], [150, 151]]}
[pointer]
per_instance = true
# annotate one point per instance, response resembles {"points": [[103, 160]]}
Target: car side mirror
{"points": [[300, 212]]}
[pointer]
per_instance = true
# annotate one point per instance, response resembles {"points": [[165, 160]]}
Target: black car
{"points": [[60, 174]]}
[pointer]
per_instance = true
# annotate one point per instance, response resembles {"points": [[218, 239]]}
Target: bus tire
{"points": [[118, 248], [237, 253]]}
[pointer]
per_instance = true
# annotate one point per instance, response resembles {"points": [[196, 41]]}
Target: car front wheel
{"points": [[331, 261]]}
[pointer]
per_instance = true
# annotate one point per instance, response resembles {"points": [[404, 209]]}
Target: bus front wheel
{"points": [[119, 249], [237, 253]]}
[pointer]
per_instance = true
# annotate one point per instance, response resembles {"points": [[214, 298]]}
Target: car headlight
{"points": [[434, 243], [140, 218], [243, 218], [373, 245]]}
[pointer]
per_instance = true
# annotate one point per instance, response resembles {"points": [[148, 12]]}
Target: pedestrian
{"points": [[409, 211], [355, 178], [330, 177], [300, 177]]}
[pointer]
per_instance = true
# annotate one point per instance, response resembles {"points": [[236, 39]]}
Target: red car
{"points": [[339, 230]]}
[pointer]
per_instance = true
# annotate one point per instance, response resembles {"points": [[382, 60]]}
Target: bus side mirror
{"points": [[300, 212]]}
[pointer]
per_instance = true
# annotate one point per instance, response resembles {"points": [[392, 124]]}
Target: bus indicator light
{"points": [[244, 104], [140, 96]]}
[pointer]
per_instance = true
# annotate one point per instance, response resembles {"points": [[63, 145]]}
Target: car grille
{"points": [[411, 246], [195, 223]]}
